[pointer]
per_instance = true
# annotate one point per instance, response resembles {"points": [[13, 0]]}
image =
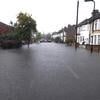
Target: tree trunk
{"points": [[28, 43]]}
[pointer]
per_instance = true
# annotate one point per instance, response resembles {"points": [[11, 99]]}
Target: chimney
{"points": [[69, 25], [95, 12]]}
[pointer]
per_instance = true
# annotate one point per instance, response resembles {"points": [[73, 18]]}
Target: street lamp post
{"points": [[76, 24], [92, 1], [93, 22], [94, 4], [63, 34]]}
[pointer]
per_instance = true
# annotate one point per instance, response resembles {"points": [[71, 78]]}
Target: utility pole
{"points": [[76, 24], [91, 46]]}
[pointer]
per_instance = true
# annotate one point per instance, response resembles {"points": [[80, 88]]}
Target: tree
{"points": [[11, 26], [11, 23], [25, 25], [38, 36]]}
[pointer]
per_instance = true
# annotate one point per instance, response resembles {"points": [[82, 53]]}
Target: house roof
{"points": [[60, 31], [95, 15], [4, 28], [84, 22], [54, 33]]}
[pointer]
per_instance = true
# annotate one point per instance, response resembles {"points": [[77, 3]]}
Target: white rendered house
{"points": [[95, 32], [83, 32]]}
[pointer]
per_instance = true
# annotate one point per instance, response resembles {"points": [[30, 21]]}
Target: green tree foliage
{"points": [[25, 25], [11, 26]]}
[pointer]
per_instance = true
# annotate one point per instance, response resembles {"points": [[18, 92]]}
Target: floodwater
{"points": [[49, 71]]}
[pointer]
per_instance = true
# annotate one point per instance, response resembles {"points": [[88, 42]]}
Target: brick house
{"points": [[4, 28]]}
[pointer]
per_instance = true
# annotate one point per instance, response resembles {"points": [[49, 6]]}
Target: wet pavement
{"points": [[49, 71]]}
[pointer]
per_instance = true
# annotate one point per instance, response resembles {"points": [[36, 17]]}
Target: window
{"points": [[95, 25], [98, 39], [98, 24], [81, 38], [94, 39]]}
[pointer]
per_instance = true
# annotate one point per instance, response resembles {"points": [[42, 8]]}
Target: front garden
{"points": [[20, 31], [9, 41]]}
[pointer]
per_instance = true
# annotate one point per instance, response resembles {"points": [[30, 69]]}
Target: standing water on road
{"points": [[49, 71]]}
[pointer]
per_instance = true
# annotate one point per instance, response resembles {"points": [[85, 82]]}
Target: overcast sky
{"points": [[50, 15]]}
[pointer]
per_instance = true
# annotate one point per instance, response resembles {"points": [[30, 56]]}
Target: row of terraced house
{"points": [[88, 32], [65, 34]]}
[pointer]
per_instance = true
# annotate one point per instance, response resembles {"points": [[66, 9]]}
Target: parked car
{"points": [[43, 40], [49, 41]]}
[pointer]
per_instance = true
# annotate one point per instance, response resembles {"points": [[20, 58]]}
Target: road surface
{"points": [[49, 71]]}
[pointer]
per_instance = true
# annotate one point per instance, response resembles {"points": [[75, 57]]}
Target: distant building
{"points": [[66, 34], [62, 34], [56, 37]]}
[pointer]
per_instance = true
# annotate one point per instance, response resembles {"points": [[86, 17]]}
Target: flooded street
{"points": [[49, 71]]}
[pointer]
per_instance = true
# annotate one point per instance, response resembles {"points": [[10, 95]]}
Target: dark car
{"points": [[49, 41], [43, 40]]}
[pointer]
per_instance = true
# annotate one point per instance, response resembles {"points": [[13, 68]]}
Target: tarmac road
{"points": [[49, 71]]}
